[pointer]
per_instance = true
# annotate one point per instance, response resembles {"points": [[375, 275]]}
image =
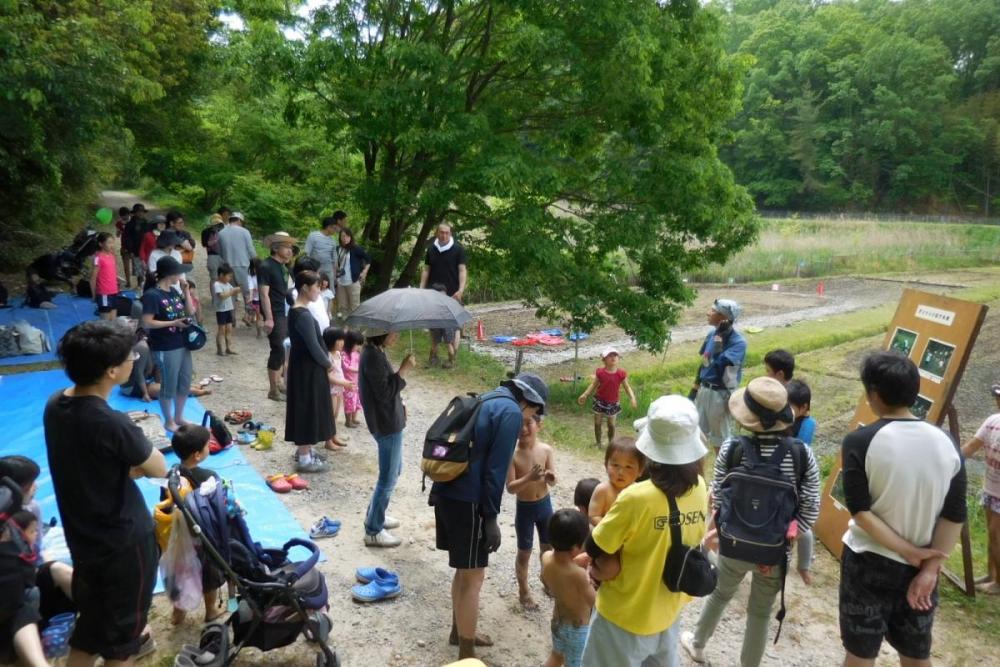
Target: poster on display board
{"points": [[937, 333]]}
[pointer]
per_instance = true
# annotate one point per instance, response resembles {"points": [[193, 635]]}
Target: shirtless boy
{"points": [[570, 587], [529, 477]]}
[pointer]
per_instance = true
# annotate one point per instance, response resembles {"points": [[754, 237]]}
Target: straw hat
{"points": [[280, 238], [669, 432], [762, 406]]}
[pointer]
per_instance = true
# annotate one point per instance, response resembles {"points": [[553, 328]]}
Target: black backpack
{"points": [[449, 441], [756, 505]]}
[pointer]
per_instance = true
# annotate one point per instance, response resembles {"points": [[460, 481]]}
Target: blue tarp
{"points": [[22, 402], [69, 311]]}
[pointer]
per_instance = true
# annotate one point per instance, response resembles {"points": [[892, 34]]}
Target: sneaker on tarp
{"points": [[324, 527]]}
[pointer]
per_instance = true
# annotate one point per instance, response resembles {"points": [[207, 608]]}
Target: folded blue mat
{"points": [[22, 402]]}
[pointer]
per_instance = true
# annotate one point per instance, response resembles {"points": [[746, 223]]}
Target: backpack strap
{"points": [[779, 453], [738, 446]]}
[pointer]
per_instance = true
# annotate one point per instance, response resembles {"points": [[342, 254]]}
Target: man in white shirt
{"points": [[320, 245], [904, 485]]}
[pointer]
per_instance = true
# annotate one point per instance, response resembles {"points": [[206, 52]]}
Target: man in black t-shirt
{"points": [[95, 453], [444, 264], [272, 284]]}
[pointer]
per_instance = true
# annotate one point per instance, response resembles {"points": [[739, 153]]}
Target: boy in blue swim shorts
{"points": [[529, 477], [569, 586]]}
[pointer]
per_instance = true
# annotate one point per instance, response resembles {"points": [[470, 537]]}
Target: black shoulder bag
{"points": [[687, 569]]}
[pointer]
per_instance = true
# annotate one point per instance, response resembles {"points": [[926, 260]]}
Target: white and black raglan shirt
{"points": [[908, 473]]}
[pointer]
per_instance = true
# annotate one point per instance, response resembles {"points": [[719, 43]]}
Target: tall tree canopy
{"points": [[557, 137], [868, 105]]}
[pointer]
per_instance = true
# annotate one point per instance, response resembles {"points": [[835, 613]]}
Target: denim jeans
{"points": [[390, 465]]}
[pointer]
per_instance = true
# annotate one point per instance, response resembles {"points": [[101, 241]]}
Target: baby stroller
{"points": [[66, 264], [277, 600]]}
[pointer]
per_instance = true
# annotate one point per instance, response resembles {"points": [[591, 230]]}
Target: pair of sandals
{"points": [[237, 417], [204, 382], [282, 483], [212, 649]]}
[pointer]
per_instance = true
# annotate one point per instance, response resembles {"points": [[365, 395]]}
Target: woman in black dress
{"points": [[309, 413]]}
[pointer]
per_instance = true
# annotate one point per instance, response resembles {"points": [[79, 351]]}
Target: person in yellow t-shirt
{"points": [[637, 616]]}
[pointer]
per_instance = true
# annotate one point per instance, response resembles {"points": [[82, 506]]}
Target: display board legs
{"points": [[968, 585]]}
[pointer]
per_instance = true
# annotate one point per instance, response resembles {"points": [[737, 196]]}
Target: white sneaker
{"points": [[383, 539], [695, 653], [390, 523]]}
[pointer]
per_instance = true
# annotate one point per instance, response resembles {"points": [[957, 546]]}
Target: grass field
{"points": [[810, 248]]}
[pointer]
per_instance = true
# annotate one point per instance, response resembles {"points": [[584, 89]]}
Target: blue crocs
{"points": [[376, 590], [367, 574], [324, 527]]}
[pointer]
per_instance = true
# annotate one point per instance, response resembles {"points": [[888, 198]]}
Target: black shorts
{"points": [[276, 341], [52, 599], [224, 317], [106, 302], [113, 596], [459, 530], [873, 605]]}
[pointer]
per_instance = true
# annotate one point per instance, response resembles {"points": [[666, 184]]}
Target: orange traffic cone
{"points": [[480, 332]]}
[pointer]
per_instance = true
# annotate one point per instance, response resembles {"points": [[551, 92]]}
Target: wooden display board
{"points": [[937, 333]]}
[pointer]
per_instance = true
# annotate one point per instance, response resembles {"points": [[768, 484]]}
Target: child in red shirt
{"points": [[606, 387], [104, 277]]}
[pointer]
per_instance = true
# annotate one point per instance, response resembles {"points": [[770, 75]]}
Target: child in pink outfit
{"points": [[987, 438], [350, 359], [104, 278]]}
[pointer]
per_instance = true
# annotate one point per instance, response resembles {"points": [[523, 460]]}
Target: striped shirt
{"points": [[808, 486]]}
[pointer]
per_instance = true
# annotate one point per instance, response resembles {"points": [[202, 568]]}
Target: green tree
{"points": [[495, 116]]}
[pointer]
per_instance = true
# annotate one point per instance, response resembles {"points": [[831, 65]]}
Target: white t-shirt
{"points": [[326, 296], [226, 304], [318, 310]]}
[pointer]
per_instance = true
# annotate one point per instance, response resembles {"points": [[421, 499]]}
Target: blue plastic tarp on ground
{"points": [[22, 403], [54, 322]]}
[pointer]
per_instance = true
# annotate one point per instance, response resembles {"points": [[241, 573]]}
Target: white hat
{"points": [[609, 350], [669, 432], [236, 215]]}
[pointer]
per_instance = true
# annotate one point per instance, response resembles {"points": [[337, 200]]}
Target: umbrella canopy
{"points": [[408, 308]]}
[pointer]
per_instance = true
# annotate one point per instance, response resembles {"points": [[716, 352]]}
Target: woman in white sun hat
{"points": [[637, 617]]}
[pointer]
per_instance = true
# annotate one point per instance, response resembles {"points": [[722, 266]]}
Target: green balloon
{"points": [[104, 215]]}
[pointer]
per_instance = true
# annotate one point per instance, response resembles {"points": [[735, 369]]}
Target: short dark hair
{"points": [[123, 210], [226, 269], [305, 263], [377, 341], [892, 376], [189, 439], [329, 221], [781, 360], [21, 470], [224, 209], [799, 393], [306, 279], [674, 480], [568, 528], [90, 348], [324, 276], [339, 215], [626, 445], [332, 335], [351, 340], [173, 215], [24, 518], [584, 490], [102, 237]]}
